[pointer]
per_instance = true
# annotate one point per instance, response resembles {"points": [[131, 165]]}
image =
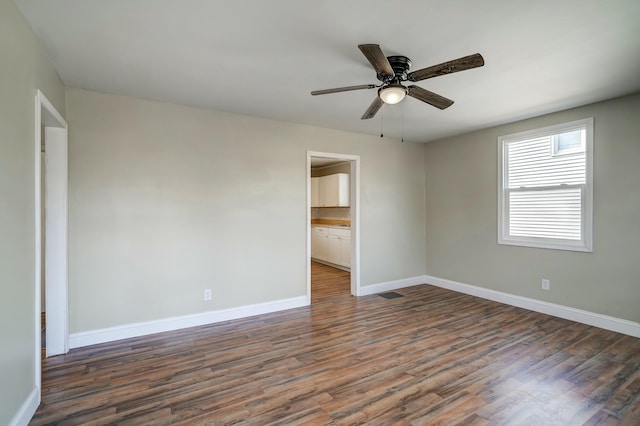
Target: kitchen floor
{"points": [[328, 283]]}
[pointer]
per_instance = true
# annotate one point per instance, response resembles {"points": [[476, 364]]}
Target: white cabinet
{"points": [[343, 248], [332, 245], [334, 190], [330, 190], [345, 251], [333, 249], [319, 242], [315, 189]]}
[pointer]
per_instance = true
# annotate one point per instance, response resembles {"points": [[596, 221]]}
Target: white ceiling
{"points": [[319, 162], [263, 57]]}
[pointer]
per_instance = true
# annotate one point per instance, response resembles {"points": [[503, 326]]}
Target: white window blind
{"points": [[545, 187]]}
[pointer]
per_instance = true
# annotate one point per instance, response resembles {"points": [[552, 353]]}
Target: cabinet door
{"points": [[315, 189], [319, 243], [343, 190], [345, 251], [333, 249], [333, 190], [329, 191]]}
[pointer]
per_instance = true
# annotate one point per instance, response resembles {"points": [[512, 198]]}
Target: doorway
{"points": [[51, 252], [352, 162]]}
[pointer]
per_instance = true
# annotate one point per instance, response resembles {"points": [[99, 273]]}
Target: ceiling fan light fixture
{"points": [[392, 94]]}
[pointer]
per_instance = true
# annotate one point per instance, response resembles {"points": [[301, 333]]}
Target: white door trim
{"points": [[354, 183], [56, 229]]}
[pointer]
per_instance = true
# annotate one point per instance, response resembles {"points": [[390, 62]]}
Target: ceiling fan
{"points": [[392, 71]]}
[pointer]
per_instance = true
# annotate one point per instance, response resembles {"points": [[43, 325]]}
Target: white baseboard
{"points": [[333, 265], [578, 315], [93, 337], [391, 285], [111, 334], [27, 409]]}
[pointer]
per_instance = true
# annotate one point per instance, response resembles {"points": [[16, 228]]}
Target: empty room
{"points": [[320, 212]]}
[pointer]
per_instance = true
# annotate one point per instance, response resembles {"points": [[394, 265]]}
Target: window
{"points": [[545, 187], [571, 142]]}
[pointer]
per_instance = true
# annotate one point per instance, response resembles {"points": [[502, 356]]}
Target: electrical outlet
{"points": [[546, 284], [207, 294]]}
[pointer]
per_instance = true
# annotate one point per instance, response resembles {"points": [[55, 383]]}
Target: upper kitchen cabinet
{"points": [[330, 191], [315, 189]]}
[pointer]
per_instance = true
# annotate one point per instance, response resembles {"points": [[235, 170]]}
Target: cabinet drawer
{"points": [[340, 232]]}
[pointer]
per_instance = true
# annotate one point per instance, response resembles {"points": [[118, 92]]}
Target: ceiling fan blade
{"points": [[376, 58], [343, 89], [429, 97], [460, 64], [373, 108]]}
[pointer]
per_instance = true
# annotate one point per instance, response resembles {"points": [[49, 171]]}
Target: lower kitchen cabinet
{"points": [[319, 242], [332, 245], [345, 251], [333, 249]]}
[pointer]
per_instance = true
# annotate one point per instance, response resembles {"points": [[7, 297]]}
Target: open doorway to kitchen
{"points": [[333, 237]]}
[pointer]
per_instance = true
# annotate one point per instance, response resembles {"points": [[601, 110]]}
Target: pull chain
{"points": [[382, 123], [402, 123]]}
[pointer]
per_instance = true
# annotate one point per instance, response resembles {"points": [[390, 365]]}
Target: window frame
{"points": [[504, 238]]}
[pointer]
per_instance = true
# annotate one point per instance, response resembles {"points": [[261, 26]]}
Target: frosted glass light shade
{"points": [[392, 94]]}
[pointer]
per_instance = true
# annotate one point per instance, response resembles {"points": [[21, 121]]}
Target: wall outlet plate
{"points": [[546, 284], [207, 295]]}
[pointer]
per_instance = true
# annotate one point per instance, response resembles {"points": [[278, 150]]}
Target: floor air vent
{"points": [[390, 295]]}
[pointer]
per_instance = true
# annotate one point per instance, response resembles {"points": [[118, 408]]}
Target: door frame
{"points": [[56, 230], [354, 196]]}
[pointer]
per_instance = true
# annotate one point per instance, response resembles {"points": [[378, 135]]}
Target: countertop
{"points": [[331, 226], [332, 223]]}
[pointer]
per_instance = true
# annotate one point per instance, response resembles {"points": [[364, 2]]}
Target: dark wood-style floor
{"points": [[430, 357]]}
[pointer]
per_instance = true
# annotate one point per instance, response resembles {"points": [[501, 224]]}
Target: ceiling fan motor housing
{"points": [[401, 66]]}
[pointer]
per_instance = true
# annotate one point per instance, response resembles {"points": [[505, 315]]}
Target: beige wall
{"points": [[166, 200], [461, 217], [24, 68]]}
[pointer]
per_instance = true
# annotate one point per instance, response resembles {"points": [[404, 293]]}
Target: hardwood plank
{"points": [[430, 357]]}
